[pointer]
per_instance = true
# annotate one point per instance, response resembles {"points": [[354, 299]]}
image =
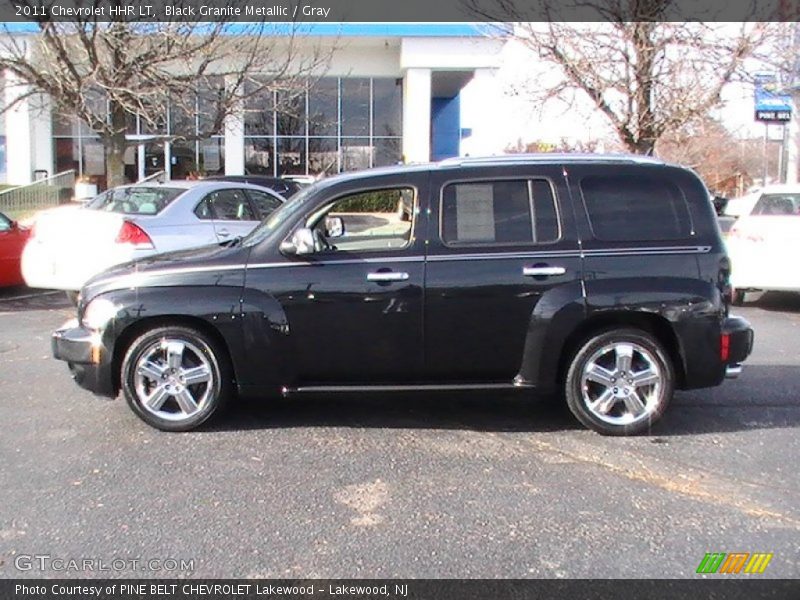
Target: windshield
{"points": [[285, 214], [778, 205], [135, 200]]}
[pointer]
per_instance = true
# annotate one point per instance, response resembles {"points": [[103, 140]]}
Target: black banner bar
{"points": [[727, 588], [392, 11]]}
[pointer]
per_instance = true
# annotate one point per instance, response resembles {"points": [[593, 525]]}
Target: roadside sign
{"points": [[770, 105]]}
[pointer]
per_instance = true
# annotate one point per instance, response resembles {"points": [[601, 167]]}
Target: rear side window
{"points": [[135, 200], [636, 208], [778, 205], [225, 205], [499, 213]]}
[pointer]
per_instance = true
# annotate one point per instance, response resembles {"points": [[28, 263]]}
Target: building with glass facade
{"points": [[391, 93]]}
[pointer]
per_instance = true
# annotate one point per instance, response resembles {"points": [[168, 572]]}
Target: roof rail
{"points": [[548, 157]]}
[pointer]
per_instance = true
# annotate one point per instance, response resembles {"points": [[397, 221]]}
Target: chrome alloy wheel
{"points": [[621, 384], [173, 379]]}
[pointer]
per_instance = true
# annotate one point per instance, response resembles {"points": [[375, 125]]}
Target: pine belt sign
{"points": [[771, 106]]}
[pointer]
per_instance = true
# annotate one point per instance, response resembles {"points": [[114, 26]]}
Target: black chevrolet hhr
{"points": [[603, 278]]}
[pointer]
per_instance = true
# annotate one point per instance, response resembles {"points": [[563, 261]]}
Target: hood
{"points": [[171, 268]]}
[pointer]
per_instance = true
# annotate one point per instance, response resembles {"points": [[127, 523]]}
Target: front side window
{"points": [[371, 221], [225, 205], [264, 203], [635, 208], [499, 212]]}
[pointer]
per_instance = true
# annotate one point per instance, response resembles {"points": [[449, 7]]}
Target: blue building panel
{"points": [[445, 127]]}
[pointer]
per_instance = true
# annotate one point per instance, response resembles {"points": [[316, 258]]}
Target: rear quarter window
{"points": [[636, 208]]}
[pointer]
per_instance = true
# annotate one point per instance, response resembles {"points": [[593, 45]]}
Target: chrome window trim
{"points": [[489, 179]]}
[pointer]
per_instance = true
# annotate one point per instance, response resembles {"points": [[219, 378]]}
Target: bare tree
{"points": [[647, 75], [105, 72]]}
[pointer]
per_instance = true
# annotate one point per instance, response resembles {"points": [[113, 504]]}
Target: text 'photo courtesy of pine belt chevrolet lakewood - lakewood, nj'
{"points": [[603, 279]]}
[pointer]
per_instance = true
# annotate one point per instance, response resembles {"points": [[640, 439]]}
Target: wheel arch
{"points": [[132, 331], [654, 324]]}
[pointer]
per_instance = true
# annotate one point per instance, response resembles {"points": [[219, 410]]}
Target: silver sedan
{"points": [[69, 246]]}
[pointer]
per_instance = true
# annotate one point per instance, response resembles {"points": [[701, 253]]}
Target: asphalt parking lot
{"points": [[397, 486]]}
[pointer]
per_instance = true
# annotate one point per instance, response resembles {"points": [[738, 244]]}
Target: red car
{"points": [[12, 241]]}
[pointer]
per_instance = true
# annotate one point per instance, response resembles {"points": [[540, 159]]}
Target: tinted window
{"points": [[499, 212], [635, 208], [264, 204], [778, 205], [135, 200], [225, 205]]}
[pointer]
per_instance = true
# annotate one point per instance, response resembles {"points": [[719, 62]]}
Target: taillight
{"points": [[131, 233], [725, 347]]}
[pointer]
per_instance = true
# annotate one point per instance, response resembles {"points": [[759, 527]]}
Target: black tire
{"points": [[573, 384], [738, 297], [72, 296], [215, 393]]}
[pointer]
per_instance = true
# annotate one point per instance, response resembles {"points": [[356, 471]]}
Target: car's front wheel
{"points": [[175, 378], [620, 382]]}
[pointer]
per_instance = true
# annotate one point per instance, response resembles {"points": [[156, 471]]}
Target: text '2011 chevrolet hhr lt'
{"points": [[601, 278]]}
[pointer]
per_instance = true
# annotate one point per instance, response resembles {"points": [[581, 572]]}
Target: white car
{"points": [[764, 241], [68, 247]]}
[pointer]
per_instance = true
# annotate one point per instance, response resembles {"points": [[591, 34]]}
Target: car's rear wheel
{"points": [[620, 382], [175, 378]]}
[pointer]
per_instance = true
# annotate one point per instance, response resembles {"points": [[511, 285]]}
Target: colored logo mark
{"points": [[734, 563]]}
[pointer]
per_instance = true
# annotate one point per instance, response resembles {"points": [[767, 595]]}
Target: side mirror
{"points": [[301, 242], [334, 227]]}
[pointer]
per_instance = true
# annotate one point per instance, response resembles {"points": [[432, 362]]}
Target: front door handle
{"points": [[544, 271], [223, 232], [387, 276]]}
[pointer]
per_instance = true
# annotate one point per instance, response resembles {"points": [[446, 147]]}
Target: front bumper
{"points": [[740, 344], [88, 359]]}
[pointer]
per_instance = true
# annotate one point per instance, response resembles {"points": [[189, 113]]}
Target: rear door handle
{"points": [[542, 271], [223, 232], [387, 276]]}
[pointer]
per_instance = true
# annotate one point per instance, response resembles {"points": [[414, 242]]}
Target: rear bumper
{"points": [[740, 344], [88, 359]]}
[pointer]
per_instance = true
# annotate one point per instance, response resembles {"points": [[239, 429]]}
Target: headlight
{"points": [[98, 313]]}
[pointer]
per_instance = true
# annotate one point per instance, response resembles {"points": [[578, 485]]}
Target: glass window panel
{"points": [[258, 156], [387, 97], [209, 95], [264, 203], [636, 208], [182, 118], [230, 205], [94, 157], [259, 111], [67, 154], [356, 154], [355, 107], [291, 112], [322, 156], [211, 156], [388, 151], [374, 220], [65, 125], [323, 107], [291, 156], [182, 160]]}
